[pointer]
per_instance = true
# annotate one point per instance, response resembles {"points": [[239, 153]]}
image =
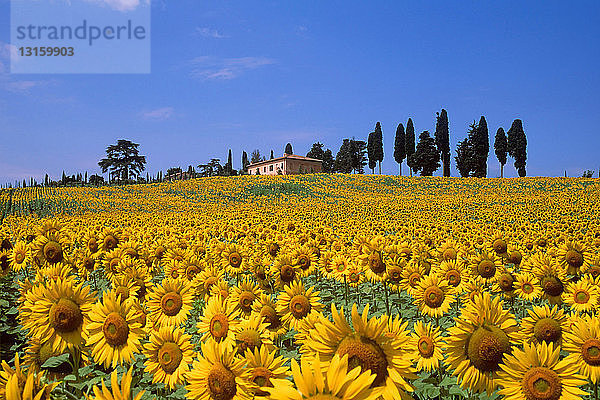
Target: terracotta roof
{"points": [[291, 156]]}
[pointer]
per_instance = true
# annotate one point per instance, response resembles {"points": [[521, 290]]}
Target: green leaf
{"points": [[56, 361], [70, 378], [4, 303]]}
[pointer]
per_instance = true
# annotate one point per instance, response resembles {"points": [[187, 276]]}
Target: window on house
{"points": [[264, 169], [270, 168], [257, 171]]}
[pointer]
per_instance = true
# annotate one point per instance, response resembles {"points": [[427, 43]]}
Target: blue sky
{"points": [[259, 74]]}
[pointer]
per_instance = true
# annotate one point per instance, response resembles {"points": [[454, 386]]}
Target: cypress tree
{"points": [[410, 144], [228, 168], [272, 157], [245, 161], [343, 159], [426, 156], [462, 157], [399, 146], [517, 146], [288, 149], [442, 140], [501, 148], [480, 142], [378, 145], [46, 180], [371, 152]]}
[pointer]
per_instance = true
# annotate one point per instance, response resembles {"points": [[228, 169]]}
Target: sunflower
{"points": [[252, 333], [411, 276], [125, 288], [117, 392], [114, 330], [340, 263], [50, 249], [191, 267], [4, 262], [219, 320], [170, 303], [432, 296], [450, 250], [582, 341], [142, 281], [220, 288], [109, 239], [295, 303], [266, 307], [267, 369], [485, 267], [91, 242], [16, 384], [219, 374], [526, 286], [234, 259], [483, 333], [168, 355], [550, 274], [111, 263], [340, 382], [204, 281], [244, 295], [427, 342], [20, 256], [306, 259], [582, 296], [454, 273], [85, 262], [370, 343], [536, 373], [355, 275], [545, 324], [60, 312], [284, 271], [574, 256], [372, 260]]}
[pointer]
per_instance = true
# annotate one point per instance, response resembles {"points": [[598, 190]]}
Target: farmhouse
{"points": [[287, 165]]}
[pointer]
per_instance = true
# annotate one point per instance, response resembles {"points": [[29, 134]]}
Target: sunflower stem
{"points": [[596, 390], [346, 291], [387, 301]]}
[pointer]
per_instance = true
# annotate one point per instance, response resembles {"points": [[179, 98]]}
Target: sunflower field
{"points": [[323, 287]]}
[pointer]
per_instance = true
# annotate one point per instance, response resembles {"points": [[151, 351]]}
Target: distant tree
{"points": [[400, 146], [442, 140], [343, 159], [173, 170], [517, 146], [123, 160], [255, 157], [191, 172], [378, 145], [462, 158], [358, 152], [212, 168], [245, 162], [288, 149], [228, 168], [63, 179], [272, 156], [96, 180], [480, 143], [371, 152], [501, 148], [587, 173], [328, 162], [426, 157], [410, 145], [316, 152], [46, 180]]}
